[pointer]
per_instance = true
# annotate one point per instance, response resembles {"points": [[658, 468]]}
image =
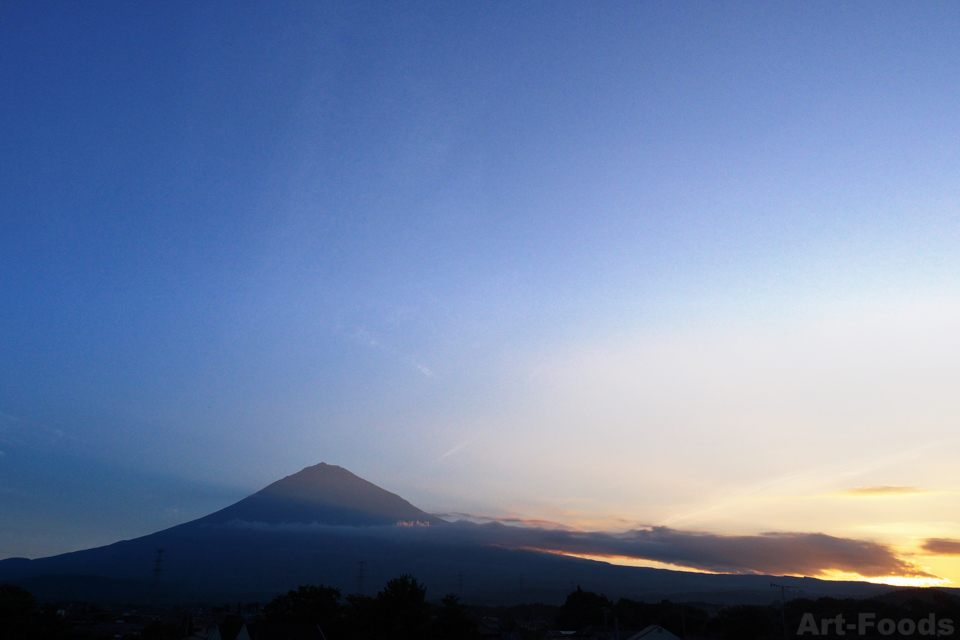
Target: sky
{"points": [[632, 269]]}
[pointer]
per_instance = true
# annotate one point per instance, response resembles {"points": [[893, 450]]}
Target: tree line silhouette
{"points": [[766, 622], [400, 610]]}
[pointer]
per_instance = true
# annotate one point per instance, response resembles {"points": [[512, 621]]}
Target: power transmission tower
{"points": [[360, 577], [783, 605], [158, 565]]}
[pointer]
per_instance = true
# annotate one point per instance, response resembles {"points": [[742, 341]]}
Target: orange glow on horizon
{"points": [[829, 575]]}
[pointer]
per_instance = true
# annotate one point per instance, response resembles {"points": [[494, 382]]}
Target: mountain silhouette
{"points": [[323, 494], [266, 544]]}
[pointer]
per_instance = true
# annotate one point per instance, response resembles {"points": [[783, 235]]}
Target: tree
{"points": [[20, 618], [583, 608], [746, 622], [362, 616], [309, 604], [402, 607], [453, 622]]}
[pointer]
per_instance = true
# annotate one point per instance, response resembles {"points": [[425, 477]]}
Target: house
{"points": [[232, 628], [239, 630], [653, 632], [490, 628], [199, 628], [278, 631], [118, 629], [595, 632]]}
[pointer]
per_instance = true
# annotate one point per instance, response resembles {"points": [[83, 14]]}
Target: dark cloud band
{"points": [[809, 554], [942, 546], [771, 553]]}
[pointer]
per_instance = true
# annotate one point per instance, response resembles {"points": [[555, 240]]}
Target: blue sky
{"points": [[464, 250]]}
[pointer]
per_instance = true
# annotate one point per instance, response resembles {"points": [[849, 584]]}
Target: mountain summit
{"points": [[322, 494]]}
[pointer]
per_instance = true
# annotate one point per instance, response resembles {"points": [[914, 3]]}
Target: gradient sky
{"points": [[691, 265]]}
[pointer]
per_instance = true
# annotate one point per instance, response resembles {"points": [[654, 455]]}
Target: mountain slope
{"points": [[260, 546], [322, 494]]}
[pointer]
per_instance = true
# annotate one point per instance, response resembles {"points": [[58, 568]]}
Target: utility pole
{"points": [[158, 565], [360, 577], [683, 622], [783, 605], [460, 583]]}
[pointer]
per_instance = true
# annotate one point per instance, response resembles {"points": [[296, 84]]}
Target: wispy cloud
{"points": [[458, 447], [422, 368], [942, 546], [366, 338], [453, 450], [882, 490], [369, 340], [478, 518], [811, 481]]}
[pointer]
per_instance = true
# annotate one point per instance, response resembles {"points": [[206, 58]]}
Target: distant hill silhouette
{"points": [[323, 494], [926, 596]]}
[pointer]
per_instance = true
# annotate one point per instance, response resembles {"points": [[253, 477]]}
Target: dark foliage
{"points": [[746, 622], [912, 604], [676, 618], [402, 607], [520, 617], [362, 616], [583, 608], [399, 611], [749, 622], [453, 621], [309, 604], [20, 619]]}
